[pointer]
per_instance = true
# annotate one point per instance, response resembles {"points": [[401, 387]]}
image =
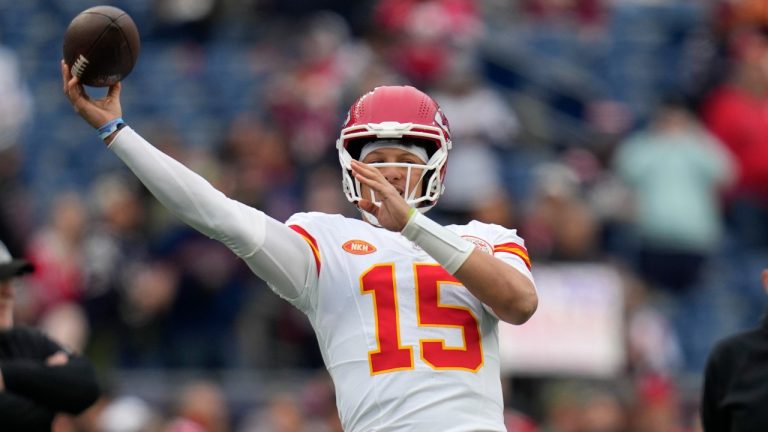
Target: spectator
{"points": [[114, 250], [603, 411], [201, 406], [676, 170], [16, 103], [15, 111], [304, 100], [561, 402], [67, 325], [658, 405], [559, 225], [734, 395], [188, 19], [281, 414], [209, 295], [485, 126], [584, 12], [144, 307], [735, 112], [257, 163], [127, 414], [56, 250], [421, 52], [38, 377], [652, 344]]}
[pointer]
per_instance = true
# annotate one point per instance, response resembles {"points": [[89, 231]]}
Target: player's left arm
{"points": [[510, 293], [507, 291]]}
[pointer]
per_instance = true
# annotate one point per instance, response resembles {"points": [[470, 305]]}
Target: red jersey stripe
{"points": [[310, 241], [514, 249]]}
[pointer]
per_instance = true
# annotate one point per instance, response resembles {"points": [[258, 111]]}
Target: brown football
{"points": [[101, 46]]}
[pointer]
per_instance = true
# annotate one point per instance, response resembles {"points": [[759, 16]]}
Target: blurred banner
{"points": [[578, 328]]}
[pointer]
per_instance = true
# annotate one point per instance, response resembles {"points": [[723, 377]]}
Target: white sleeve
{"points": [[286, 262], [262, 242]]}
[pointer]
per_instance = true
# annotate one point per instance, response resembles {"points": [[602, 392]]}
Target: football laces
{"points": [[79, 66]]}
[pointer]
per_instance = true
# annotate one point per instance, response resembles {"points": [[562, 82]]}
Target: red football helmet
{"points": [[394, 113]]}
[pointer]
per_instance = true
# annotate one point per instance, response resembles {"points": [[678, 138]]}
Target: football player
{"points": [[405, 310]]}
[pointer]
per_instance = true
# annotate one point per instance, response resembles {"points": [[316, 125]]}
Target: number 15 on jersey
{"points": [[390, 355]]}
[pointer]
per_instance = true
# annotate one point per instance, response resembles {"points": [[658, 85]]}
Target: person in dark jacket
{"points": [[38, 377], [735, 394]]}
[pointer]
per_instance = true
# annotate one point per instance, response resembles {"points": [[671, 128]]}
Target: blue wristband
{"points": [[110, 127]]}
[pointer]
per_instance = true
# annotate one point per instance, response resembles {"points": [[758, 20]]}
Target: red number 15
{"points": [[390, 355]]}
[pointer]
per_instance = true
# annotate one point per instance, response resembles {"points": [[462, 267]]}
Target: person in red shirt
{"points": [[736, 111]]}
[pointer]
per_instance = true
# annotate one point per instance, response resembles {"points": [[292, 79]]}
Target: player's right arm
{"points": [[262, 242], [273, 251]]}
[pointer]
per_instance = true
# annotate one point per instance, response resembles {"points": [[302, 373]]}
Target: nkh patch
{"points": [[358, 247]]}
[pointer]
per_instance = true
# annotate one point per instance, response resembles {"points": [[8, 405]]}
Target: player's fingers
{"points": [[77, 95], [114, 91], [363, 167], [362, 178], [69, 90], [368, 205], [367, 172], [69, 83], [64, 75], [374, 173], [72, 86], [73, 90], [357, 169]]}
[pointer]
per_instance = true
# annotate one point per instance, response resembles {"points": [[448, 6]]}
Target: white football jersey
{"points": [[408, 347]]}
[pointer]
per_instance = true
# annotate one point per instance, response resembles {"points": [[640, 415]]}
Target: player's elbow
{"points": [[528, 306], [520, 305]]}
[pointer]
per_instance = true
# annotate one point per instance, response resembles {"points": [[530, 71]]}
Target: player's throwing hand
{"points": [[96, 112]]}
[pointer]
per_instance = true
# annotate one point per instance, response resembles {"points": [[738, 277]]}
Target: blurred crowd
{"points": [[631, 133]]}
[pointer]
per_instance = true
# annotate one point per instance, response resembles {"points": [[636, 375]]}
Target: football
{"points": [[101, 46]]}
